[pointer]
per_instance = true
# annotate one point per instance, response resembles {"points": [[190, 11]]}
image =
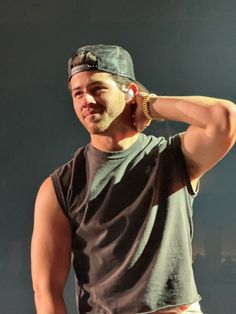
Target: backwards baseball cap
{"points": [[108, 58]]}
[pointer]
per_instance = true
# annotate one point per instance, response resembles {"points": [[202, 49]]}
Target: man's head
{"points": [[101, 66]]}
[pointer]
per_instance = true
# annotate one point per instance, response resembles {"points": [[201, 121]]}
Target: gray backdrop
{"points": [[185, 47]]}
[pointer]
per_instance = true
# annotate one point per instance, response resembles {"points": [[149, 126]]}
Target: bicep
{"points": [[51, 242], [204, 147]]}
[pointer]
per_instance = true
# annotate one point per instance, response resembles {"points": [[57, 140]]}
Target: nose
{"points": [[89, 99]]}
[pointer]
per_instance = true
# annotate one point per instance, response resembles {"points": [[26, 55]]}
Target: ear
{"points": [[132, 90]]}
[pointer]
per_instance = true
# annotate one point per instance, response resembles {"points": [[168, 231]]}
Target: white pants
{"points": [[192, 309]]}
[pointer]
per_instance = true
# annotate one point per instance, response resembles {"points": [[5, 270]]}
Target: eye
{"points": [[98, 89], [78, 93]]}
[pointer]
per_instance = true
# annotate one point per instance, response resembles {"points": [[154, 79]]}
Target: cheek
{"points": [[77, 110], [76, 105], [117, 105]]}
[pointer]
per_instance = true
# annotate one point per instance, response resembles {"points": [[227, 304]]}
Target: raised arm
{"points": [[50, 252], [212, 130]]}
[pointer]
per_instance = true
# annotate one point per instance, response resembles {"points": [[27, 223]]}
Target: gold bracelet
{"points": [[146, 110]]}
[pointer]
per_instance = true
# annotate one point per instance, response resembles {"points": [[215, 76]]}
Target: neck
{"points": [[114, 142]]}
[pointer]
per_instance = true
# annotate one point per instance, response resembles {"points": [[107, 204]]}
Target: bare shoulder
{"points": [[47, 209], [46, 193]]}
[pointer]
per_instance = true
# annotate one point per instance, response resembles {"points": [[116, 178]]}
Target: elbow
{"points": [[47, 298], [224, 120], [39, 293], [37, 296]]}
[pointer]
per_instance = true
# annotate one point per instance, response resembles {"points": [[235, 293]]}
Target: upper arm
{"points": [[51, 242], [204, 147]]}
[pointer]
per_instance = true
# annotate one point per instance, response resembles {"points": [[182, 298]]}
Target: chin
{"points": [[98, 128]]}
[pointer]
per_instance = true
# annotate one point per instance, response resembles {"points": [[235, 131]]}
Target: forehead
{"points": [[85, 78]]}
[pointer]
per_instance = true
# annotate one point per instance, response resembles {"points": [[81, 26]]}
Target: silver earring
{"points": [[130, 93]]}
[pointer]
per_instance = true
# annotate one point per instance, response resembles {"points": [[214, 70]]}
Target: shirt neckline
{"points": [[115, 154]]}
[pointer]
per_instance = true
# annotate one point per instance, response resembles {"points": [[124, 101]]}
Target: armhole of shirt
{"points": [[176, 145], [59, 193], [62, 179]]}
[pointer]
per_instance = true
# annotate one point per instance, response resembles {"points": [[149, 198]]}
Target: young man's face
{"points": [[97, 100]]}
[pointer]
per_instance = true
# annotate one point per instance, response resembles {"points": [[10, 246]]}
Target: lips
{"points": [[91, 111]]}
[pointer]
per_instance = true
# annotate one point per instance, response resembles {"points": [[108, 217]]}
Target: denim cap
{"points": [[111, 59]]}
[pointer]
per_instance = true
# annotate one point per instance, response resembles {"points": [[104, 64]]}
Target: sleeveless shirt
{"points": [[131, 218]]}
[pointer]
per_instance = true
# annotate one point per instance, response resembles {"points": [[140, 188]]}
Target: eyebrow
{"points": [[89, 85]]}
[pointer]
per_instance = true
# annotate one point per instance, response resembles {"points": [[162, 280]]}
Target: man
{"points": [[123, 204]]}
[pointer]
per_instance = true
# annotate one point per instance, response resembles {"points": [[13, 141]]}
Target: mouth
{"points": [[91, 113]]}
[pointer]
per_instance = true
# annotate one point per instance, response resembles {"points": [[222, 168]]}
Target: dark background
{"points": [[185, 47]]}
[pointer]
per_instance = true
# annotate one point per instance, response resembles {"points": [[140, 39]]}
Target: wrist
{"points": [[146, 107], [149, 109]]}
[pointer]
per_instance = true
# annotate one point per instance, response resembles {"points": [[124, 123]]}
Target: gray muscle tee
{"points": [[131, 218]]}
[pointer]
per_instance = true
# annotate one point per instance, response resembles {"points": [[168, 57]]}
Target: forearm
{"points": [[49, 303], [198, 111]]}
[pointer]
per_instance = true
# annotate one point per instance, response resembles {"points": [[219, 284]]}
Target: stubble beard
{"points": [[100, 126], [103, 123]]}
